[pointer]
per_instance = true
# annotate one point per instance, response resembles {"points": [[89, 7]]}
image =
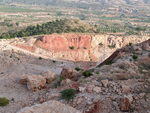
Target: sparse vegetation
{"points": [[135, 57], [85, 48], [54, 61], [77, 69], [130, 44], [40, 58], [60, 79], [3, 101], [109, 62], [72, 47], [97, 73], [111, 46], [87, 74], [100, 44], [68, 94]]}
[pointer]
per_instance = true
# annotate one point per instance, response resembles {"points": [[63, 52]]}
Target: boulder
{"points": [[97, 89], [66, 81], [146, 46], [142, 95], [82, 89], [125, 88], [68, 73], [49, 107], [35, 82], [125, 104], [104, 82], [49, 76], [23, 79], [121, 76]]}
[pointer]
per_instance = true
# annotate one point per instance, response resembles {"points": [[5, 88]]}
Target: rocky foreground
{"points": [[119, 84]]}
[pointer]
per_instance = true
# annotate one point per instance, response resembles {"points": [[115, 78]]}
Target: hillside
{"points": [[119, 84], [58, 26], [84, 4]]}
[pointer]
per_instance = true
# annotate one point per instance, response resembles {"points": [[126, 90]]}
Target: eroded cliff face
{"points": [[95, 48]]}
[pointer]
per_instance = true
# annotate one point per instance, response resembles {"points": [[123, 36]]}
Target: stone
{"points": [[97, 89], [146, 46], [125, 88], [53, 95], [82, 89], [113, 97], [125, 104], [130, 97], [49, 107], [121, 76], [75, 86], [49, 76], [66, 81], [104, 82], [35, 82], [23, 79], [144, 71], [115, 104], [136, 48], [68, 73], [142, 95], [90, 88]]}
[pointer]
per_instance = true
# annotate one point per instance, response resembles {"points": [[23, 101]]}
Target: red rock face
{"points": [[56, 42], [28, 48]]}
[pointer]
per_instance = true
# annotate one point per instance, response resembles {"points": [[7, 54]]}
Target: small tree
{"points": [[17, 23]]}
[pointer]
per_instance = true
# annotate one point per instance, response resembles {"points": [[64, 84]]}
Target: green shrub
{"points": [[130, 44], [72, 47], [3, 101], [77, 69], [40, 58], [111, 46], [97, 73], [135, 57], [87, 74], [85, 48], [54, 61], [100, 44], [109, 62], [61, 78], [68, 94]]}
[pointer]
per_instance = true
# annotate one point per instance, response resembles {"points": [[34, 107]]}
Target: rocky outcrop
{"points": [[68, 73], [49, 107], [49, 75], [35, 82], [23, 79], [95, 48], [125, 104]]}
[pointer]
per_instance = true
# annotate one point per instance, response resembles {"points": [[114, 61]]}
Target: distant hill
{"points": [[58, 26], [58, 2], [85, 4]]}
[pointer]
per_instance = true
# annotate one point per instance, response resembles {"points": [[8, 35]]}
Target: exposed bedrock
{"points": [[95, 48]]}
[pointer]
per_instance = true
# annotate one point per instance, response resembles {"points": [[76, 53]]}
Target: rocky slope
{"points": [[120, 86], [121, 83]]}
